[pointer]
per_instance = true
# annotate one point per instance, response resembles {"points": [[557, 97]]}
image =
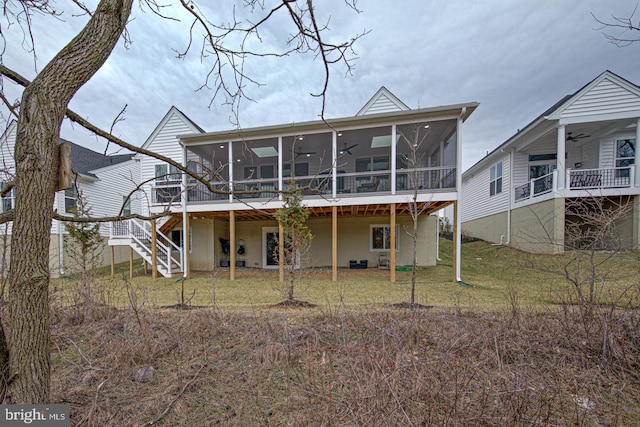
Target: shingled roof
{"points": [[84, 160]]}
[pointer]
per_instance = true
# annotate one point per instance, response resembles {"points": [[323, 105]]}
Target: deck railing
{"points": [[584, 179], [535, 187], [379, 182]]}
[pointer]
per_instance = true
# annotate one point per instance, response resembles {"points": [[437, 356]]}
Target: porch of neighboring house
{"points": [[594, 164]]}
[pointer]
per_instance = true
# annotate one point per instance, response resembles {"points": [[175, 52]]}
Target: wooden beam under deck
{"points": [[347, 211]]}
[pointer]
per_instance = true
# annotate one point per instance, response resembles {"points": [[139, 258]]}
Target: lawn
{"points": [[492, 276]]}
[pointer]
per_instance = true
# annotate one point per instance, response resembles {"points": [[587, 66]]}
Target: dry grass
{"points": [[508, 350], [372, 367]]}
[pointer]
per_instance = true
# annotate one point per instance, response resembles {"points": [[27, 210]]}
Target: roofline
{"points": [[163, 122], [550, 115], [447, 111]]}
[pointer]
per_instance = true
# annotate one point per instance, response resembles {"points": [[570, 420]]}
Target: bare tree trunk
{"points": [[42, 110]]}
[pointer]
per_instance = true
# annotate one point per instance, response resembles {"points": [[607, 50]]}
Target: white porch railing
{"points": [[583, 179], [536, 187], [168, 254]]}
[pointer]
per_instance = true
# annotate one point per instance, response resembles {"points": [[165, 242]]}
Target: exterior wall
{"points": [[539, 227], [492, 228], [164, 142], [353, 241], [475, 201]]}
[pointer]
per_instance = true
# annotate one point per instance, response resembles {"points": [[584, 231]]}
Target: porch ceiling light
{"points": [[264, 151], [382, 141]]}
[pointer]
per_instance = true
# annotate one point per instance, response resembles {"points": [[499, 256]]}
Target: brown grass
{"points": [[385, 366]]}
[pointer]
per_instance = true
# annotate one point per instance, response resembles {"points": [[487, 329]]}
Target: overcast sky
{"points": [[516, 58]]}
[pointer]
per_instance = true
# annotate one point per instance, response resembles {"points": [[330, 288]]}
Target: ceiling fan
{"points": [[303, 153], [571, 137], [348, 149]]}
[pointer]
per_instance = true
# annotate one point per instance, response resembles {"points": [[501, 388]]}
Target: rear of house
{"points": [[360, 177]]}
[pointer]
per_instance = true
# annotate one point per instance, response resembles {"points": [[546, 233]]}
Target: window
{"points": [[7, 199], [381, 238], [625, 156], [126, 206], [167, 173], [70, 200], [495, 180]]}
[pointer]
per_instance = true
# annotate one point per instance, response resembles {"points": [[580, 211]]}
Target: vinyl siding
{"points": [[166, 144], [105, 196], [607, 153], [604, 98], [475, 201], [382, 105]]}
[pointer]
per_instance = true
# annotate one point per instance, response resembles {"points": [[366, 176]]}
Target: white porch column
{"points": [[637, 155], [334, 163], [393, 159], [230, 171], [185, 220], [561, 157], [280, 187]]}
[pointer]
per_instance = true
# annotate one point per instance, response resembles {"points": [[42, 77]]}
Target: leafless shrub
{"points": [[373, 367]]}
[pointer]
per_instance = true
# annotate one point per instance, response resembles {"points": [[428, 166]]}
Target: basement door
{"points": [[269, 247]]}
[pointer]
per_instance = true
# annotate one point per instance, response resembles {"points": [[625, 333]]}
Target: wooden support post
{"points": [[113, 267], [130, 262], [186, 229], [154, 250], [392, 252], [232, 245], [281, 252], [334, 243]]}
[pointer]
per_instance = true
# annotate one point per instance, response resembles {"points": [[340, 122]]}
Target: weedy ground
{"points": [[512, 349]]}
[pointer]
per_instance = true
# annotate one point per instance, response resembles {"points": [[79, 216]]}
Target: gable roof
{"points": [[84, 160], [566, 109], [172, 111], [383, 101], [606, 94]]}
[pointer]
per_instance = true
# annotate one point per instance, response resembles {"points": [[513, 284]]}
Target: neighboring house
{"points": [[359, 174], [582, 148], [105, 181]]}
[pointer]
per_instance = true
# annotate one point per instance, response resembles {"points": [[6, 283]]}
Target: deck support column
{"points": [[392, 252], [154, 250], [113, 267], [334, 243], [281, 253], [232, 245]]}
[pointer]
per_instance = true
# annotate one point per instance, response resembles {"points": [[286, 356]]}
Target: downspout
{"points": [[510, 187]]}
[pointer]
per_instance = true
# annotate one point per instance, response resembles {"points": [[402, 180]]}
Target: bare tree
{"points": [[43, 107], [620, 31], [414, 141]]}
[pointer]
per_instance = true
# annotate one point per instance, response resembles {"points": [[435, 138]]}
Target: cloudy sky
{"points": [[515, 57]]}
